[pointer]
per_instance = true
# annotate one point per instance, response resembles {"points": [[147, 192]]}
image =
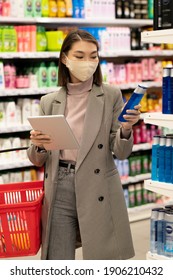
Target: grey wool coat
{"points": [[103, 219]]}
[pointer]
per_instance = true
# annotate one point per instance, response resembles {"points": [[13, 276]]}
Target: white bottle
{"points": [[2, 115], [10, 113], [26, 110]]}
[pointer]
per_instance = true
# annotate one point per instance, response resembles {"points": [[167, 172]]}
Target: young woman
{"points": [[84, 203]]}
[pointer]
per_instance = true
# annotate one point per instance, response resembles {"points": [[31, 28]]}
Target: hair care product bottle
{"points": [[42, 75], [166, 94], [160, 231], [13, 41], [76, 9], [168, 160], [41, 39], [52, 74], [69, 8], [37, 8], [1, 39], [28, 8], [133, 101], [61, 8], [45, 8], [161, 152], [52, 8], [2, 115], [155, 159], [6, 39]]}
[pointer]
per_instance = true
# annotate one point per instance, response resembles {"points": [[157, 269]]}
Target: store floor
{"points": [[140, 233]]}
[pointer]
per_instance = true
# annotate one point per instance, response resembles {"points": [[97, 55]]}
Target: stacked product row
{"points": [[161, 229], [137, 195], [162, 159], [40, 75], [27, 175], [15, 114], [140, 9]]}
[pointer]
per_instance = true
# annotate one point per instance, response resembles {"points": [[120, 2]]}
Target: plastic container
{"points": [[54, 40], [20, 214]]}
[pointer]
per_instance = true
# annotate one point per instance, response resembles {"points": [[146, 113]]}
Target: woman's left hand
{"points": [[132, 117]]}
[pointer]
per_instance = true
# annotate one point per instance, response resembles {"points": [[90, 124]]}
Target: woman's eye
{"points": [[94, 57], [79, 57]]}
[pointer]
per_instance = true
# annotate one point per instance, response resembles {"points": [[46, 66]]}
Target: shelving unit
{"points": [[158, 36], [81, 21], [159, 119]]}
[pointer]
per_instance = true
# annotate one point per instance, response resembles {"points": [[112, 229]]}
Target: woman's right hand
{"points": [[39, 139]]}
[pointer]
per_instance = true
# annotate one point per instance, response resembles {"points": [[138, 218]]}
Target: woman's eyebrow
{"points": [[84, 52]]}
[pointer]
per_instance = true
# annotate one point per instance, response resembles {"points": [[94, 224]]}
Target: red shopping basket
{"points": [[20, 215]]}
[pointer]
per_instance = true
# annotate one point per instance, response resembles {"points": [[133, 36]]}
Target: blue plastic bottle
{"points": [[168, 160], [161, 154], [76, 9], [171, 88], [166, 93], [133, 101], [154, 161], [160, 232]]}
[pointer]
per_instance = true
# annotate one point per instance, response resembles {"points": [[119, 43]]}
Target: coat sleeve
{"points": [[37, 158], [121, 147]]}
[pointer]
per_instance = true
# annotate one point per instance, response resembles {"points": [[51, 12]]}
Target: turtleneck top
{"points": [[77, 98]]}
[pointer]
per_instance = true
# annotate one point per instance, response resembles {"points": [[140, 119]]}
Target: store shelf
{"points": [[48, 54], [28, 55], [26, 91], [162, 188], [135, 179], [79, 21], [143, 146], [15, 128], [158, 36], [147, 84], [159, 119], [16, 164], [138, 53], [142, 212], [151, 256]]}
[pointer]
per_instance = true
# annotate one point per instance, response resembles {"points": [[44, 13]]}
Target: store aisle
{"points": [[140, 233]]}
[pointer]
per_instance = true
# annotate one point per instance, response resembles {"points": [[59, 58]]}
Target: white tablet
{"points": [[58, 128]]}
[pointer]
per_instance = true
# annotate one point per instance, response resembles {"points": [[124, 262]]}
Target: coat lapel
{"points": [[92, 123], [59, 102]]}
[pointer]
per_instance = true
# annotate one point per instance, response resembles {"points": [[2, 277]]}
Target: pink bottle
{"points": [[10, 76]]}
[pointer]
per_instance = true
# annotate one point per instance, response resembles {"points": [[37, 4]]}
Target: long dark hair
{"points": [[70, 39]]}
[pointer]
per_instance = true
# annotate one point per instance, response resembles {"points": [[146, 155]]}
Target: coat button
{"points": [[96, 171], [46, 175], [101, 198], [100, 146]]}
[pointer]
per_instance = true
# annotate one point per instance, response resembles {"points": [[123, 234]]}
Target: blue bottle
{"points": [[171, 88], [168, 160], [155, 158], [153, 230], [166, 93], [133, 101], [76, 9], [160, 231], [161, 161]]}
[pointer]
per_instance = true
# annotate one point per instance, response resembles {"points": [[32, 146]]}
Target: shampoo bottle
{"points": [[168, 234], [166, 95], [45, 8], [155, 159], [52, 74], [168, 160], [2, 82], [37, 8], [69, 8], [42, 75], [161, 153]]}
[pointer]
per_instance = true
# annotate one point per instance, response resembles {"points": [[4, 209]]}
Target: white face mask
{"points": [[82, 70]]}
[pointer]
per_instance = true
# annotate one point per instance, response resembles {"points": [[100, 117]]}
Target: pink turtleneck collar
{"points": [[81, 87]]}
